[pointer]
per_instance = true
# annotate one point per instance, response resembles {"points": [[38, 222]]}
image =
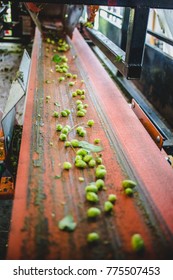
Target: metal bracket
{"points": [[152, 130], [129, 63]]}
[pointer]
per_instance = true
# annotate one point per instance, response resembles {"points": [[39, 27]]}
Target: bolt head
{"points": [[158, 139]]}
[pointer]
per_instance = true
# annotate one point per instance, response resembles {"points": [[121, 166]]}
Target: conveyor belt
{"points": [[45, 193]]}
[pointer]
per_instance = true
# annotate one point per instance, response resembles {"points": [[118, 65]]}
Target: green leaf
{"points": [[57, 104], [90, 147], [56, 58], [118, 58], [67, 223], [57, 176]]}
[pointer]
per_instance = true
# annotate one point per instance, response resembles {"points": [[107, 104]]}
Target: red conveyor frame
{"points": [[129, 152]]}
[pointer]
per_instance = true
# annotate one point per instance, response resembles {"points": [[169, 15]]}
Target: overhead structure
{"points": [[130, 62]]}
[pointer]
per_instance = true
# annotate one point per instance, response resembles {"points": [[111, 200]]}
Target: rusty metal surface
{"points": [[2, 147], [45, 193], [152, 130], [6, 188]]}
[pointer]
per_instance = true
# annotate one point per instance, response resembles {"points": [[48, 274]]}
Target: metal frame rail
{"points": [[133, 92], [160, 37]]}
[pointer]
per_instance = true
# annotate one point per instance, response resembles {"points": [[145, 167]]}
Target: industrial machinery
{"points": [[2, 11], [6, 180], [93, 178], [64, 18], [11, 21], [17, 91]]}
